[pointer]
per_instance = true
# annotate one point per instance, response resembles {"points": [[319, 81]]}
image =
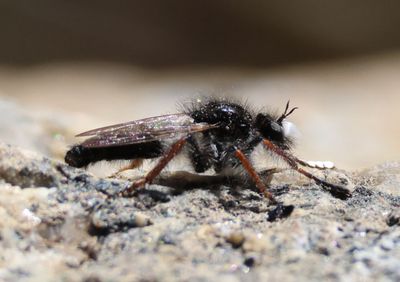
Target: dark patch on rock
{"points": [[249, 262], [115, 219], [279, 212], [150, 197], [323, 251], [280, 190], [27, 174], [393, 218]]}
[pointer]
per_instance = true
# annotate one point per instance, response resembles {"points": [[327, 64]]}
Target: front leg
{"points": [[336, 190], [316, 164]]}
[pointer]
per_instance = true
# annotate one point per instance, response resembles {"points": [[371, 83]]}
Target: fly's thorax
{"points": [[233, 121]]}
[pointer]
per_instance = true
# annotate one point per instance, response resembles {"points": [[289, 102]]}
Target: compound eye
{"points": [[276, 127], [269, 128]]}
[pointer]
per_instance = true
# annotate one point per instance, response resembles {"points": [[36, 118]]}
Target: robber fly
{"points": [[219, 134]]}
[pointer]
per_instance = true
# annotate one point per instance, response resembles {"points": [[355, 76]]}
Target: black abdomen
{"points": [[80, 156]]}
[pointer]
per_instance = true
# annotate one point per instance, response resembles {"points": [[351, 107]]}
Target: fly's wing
{"points": [[144, 130]]}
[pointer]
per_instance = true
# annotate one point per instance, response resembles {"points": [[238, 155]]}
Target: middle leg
{"points": [[132, 165], [254, 175]]}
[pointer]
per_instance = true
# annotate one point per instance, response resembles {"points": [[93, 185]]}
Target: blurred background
{"points": [[68, 66]]}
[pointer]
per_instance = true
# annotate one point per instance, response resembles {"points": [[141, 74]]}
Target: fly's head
{"points": [[277, 130]]}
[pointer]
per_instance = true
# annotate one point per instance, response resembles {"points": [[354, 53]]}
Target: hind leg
{"points": [[162, 163]]}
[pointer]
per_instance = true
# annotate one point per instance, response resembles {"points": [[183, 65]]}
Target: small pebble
{"points": [[254, 243], [236, 239], [141, 220]]}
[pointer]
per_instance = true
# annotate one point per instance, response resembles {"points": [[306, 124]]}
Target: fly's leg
{"points": [[254, 175], [268, 174], [336, 190], [316, 164], [162, 163], [200, 159], [132, 165]]}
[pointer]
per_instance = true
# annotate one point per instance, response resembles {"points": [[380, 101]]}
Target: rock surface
{"points": [[60, 223]]}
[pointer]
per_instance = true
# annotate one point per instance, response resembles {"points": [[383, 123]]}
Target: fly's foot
{"points": [[137, 184], [269, 196]]}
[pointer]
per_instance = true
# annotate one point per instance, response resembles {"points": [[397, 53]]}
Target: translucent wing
{"points": [[143, 130]]}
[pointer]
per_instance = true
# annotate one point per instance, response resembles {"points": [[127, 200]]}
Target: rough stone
{"points": [[62, 223]]}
